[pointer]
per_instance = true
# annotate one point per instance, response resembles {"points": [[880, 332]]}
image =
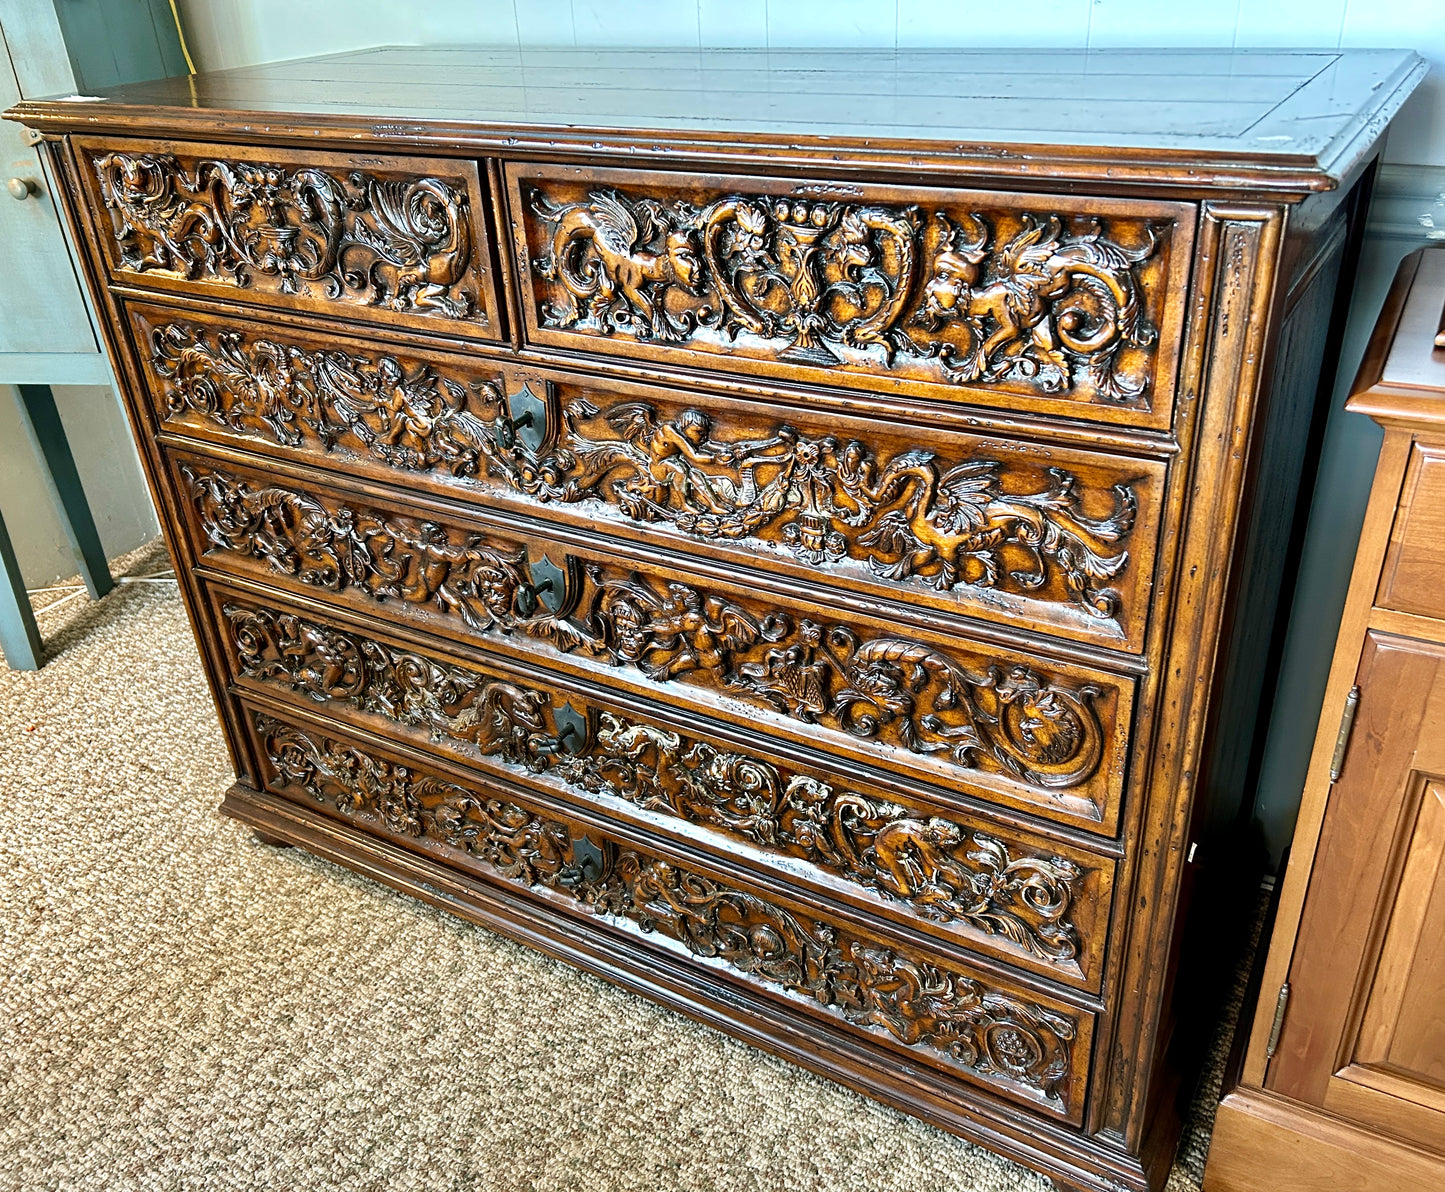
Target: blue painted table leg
{"points": [[19, 635], [42, 420]]}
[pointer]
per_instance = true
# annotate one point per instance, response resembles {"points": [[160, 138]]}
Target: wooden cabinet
{"points": [[1344, 1079], [814, 573]]}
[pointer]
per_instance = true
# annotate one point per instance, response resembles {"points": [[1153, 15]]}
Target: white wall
{"points": [[226, 33]]}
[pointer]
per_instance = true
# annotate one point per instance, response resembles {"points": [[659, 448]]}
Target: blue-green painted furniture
{"points": [[47, 331]]}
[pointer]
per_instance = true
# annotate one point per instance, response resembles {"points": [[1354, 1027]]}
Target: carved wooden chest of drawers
{"points": [[818, 573]]}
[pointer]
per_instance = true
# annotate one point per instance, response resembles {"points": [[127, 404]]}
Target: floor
{"points": [[181, 1007]]}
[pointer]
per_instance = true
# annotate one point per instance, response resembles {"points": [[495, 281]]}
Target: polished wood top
{"points": [[1295, 120], [1402, 377]]}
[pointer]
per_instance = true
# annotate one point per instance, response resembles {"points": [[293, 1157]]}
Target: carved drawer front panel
{"points": [[1050, 537], [1010, 727], [1025, 1045], [1045, 303], [393, 240], [1006, 892]]}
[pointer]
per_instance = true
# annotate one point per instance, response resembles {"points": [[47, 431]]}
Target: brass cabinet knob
{"points": [[21, 188]]}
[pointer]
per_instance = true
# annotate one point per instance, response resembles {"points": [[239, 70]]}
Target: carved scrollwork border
{"points": [[1006, 718], [377, 237], [908, 517], [918, 1003], [939, 868]]}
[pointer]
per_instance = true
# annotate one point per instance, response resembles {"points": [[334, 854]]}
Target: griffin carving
{"points": [[913, 1000], [401, 242], [831, 499], [1042, 304], [420, 236], [835, 284]]}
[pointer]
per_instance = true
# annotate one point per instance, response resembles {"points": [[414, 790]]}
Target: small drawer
{"points": [[1410, 581], [963, 1023], [399, 241], [1040, 303], [1051, 538], [1015, 728], [999, 890]]}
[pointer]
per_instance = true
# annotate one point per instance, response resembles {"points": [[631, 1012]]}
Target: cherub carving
{"points": [[666, 636]]}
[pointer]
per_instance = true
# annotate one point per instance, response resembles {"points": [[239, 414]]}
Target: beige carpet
{"points": [[181, 1007]]}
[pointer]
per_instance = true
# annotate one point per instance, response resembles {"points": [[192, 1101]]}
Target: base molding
{"points": [[1079, 1164], [1258, 1135]]}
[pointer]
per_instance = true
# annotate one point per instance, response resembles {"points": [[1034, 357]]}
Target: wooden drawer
{"points": [[1415, 560], [1048, 303], [965, 1025], [1035, 534], [400, 241], [1003, 891], [1016, 728]]}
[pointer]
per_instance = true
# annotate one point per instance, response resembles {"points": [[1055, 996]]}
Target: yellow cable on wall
{"points": [[181, 36]]}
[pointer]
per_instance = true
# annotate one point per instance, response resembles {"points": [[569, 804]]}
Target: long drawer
{"points": [[1013, 727], [962, 1024], [1020, 532], [998, 889], [1030, 302], [394, 241]]}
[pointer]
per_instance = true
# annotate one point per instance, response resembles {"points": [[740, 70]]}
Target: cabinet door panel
{"points": [[1410, 580], [1365, 1031]]}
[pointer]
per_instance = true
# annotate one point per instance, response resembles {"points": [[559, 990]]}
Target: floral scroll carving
{"points": [[1051, 308], [404, 243], [909, 515], [386, 557], [1006, 718], [941, 869], [409, 418], [870, 985], [825, 499]]}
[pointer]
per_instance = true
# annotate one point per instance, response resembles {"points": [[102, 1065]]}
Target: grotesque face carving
{"points": [[630, 635], [497, 588], [954, 276], [1049, 727]]}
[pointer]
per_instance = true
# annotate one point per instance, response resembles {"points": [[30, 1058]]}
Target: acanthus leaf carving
{"points": [[1007, 717], [915, 1001], [943, 870], [403, 243], [335, 547], [1044, 308]]}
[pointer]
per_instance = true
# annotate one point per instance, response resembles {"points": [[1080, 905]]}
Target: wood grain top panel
{"points": [[1281, 120]]}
